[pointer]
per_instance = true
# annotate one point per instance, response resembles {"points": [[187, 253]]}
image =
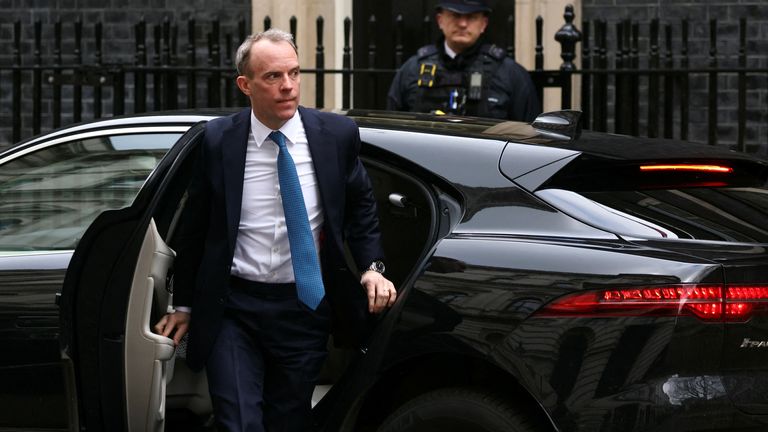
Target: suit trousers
{"points": [[267, 358]]}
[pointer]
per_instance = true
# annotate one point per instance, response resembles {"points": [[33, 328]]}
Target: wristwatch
{"points": [[377, 266]]}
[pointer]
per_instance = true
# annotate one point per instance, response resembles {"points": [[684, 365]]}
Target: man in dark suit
{"points": [[276, 192]]}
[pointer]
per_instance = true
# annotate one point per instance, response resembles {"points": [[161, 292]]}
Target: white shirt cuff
{"points": [[185, 309]]}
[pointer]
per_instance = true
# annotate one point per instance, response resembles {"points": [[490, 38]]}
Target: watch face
{"points": [[377, 266]]}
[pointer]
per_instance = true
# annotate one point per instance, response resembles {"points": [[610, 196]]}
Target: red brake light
{"points": [[743, 299], [705, 302], [686, 167]]}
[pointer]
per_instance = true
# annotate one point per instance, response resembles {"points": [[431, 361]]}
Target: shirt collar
{"points": [[291, 129], [448, 51]]}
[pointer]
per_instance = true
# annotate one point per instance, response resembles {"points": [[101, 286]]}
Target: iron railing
{"points": [[651, 92]]}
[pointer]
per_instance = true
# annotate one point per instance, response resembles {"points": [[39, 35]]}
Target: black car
{"points": [[550, 280], [51, 188]]}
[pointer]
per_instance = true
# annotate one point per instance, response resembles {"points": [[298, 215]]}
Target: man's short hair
{"points": [[243, 54]]}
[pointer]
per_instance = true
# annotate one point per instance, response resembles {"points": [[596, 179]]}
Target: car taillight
{"points": [[742, 300], [705, 302], [687, 167]]}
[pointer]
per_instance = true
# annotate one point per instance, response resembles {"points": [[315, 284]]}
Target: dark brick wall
{"points": [[699, 12], [118, 18]]}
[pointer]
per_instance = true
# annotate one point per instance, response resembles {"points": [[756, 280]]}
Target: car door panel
{"points": [[408, 219], [148, 365], [120, 256]]}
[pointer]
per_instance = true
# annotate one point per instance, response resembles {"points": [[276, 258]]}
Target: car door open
{"points": [[148, 356], [114, 292]]}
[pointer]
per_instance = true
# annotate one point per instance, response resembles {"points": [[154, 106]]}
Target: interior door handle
{"points": [[398, 200]]}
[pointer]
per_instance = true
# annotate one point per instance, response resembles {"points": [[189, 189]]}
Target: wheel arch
{"points": [[428, 372]]}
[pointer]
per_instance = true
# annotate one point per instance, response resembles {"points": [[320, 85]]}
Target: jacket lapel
{"points": [[324, 153], [234, 143]]}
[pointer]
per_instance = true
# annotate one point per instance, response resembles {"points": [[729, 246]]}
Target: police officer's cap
{"points": [[464, 6]]}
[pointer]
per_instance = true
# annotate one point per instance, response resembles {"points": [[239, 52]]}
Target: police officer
{"points": [[461, 74]]}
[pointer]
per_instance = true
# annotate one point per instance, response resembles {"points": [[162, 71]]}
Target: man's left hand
{"points": [[381, 292]]}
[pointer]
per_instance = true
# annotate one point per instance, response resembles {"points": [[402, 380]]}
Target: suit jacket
{"points": [[208, 229]]}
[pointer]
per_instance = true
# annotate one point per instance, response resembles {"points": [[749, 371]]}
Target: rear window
{"points": [[712, 200]]}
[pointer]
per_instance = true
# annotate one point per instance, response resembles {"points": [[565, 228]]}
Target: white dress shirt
{"points": [[262, 250], [451, 53]]}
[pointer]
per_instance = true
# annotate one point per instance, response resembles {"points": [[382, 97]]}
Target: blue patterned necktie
{"points": [[306, 266]]}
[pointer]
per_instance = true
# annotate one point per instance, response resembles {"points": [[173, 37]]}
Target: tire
{"points": [[457, 410]]}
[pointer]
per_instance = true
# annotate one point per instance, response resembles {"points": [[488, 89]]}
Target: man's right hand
{"points": [[176, 323]]}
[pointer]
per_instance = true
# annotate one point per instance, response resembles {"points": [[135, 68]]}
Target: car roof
{"points": [[158, 119], [599, 144]]}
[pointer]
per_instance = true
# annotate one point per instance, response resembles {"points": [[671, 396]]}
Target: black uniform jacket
{"points": [[506, 89]]}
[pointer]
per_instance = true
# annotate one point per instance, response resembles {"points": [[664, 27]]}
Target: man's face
{"points": [[461, 30], [272, 82]]}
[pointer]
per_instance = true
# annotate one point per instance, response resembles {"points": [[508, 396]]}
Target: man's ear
{"points": [[485, 23], [242, 84]]}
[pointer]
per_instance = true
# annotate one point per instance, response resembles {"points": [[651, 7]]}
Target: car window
{"points": [[724, 200], [609, 218], [718, 213], [49, 197]]}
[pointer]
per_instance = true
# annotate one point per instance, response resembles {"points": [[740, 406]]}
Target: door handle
{"points": [[398, 200]]}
